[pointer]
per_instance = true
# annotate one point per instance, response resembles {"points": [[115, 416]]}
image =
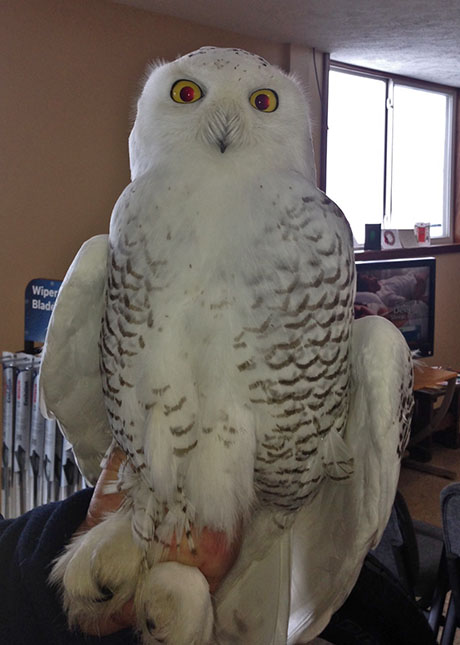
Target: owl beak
{"points": [[222, 127]]}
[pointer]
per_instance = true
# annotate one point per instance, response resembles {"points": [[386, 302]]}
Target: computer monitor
{"points": [[403, 291]]}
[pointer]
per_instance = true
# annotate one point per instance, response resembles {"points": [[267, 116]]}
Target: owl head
{"points": [[221, 106]]}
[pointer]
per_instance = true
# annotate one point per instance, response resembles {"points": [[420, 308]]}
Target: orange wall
{"points": [[457, 178], [70, 72], [447, 315]]}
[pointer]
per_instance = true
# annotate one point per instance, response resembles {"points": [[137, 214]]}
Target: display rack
{"points": [[37, 463]]}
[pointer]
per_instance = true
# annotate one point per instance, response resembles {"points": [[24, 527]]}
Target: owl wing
{"points": [[315, 565], [70, 382]]}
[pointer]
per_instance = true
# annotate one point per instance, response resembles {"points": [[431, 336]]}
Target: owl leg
{"points": [[97, 573], [220, 477], [173, 606]]}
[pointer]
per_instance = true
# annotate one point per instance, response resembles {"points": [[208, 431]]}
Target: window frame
{"points": [[390, 80]]}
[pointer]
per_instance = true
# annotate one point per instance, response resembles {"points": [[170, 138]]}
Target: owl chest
{"points": [[195, 243], [242, 267]]}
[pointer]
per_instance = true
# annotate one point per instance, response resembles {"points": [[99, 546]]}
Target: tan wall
{"points": [[457, 178], [447, 317], [70, 72]]}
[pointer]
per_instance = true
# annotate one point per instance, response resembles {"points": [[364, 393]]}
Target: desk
{"points": [[429, 385], [431, 378], [448, 432]]}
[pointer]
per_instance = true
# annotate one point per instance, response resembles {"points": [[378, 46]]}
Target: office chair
{"points": [[413, 552], [450, 509], [378, 611]]}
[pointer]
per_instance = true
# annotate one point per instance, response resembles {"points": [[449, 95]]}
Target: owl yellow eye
{"points": [[264, 100], [185, 92]]}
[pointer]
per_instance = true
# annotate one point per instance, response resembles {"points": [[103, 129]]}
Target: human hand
{"points": [[213, 554]]}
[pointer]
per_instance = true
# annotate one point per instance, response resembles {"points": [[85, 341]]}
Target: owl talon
{"points": [[106, 593], [178, 596], [150, 624], [95, 575]]}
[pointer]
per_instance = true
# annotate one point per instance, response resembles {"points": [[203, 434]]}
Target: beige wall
{"points": [[70, 72], [447, 317]]}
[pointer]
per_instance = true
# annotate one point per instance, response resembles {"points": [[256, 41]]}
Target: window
{"points": [[390, 151]]}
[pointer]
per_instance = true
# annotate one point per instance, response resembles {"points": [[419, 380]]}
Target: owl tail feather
{"points": [[156, 525], [338, 462], [177, 523]]}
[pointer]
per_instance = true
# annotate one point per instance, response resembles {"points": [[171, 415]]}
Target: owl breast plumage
{"points": [[230, 327]]}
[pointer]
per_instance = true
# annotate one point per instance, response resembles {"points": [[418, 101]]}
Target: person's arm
{"points": [[30, 608]]}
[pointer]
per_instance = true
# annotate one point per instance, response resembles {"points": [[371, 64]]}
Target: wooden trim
{"points": [[414, 252], [456, 156], [400, 78], [457, 178], [324, 126]]}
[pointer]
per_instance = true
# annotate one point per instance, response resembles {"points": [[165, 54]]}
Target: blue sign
{"points": [[39, 304]]}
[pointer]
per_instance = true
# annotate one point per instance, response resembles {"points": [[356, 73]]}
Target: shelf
{"points": [[413, 252]]}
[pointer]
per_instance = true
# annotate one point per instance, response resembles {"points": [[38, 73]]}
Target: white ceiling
{"points": [[419, 38]]}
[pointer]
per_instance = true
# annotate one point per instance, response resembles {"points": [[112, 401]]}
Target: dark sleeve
{"points": [[30, 611], [378, 611]]}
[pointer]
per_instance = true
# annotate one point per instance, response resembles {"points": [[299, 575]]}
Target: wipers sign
{"points": [[40, 297]]}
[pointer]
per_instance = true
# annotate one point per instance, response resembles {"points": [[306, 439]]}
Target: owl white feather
{"points": [[210, 337]]}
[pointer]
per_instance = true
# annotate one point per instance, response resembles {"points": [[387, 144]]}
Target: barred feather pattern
{"points": [[303, 344], [406, 406], [280, 322]]}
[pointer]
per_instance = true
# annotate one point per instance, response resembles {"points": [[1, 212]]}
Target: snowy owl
{"points": [[210, 335]]}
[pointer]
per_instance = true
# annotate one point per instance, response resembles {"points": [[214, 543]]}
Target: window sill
{"points": [[413, 252]]}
